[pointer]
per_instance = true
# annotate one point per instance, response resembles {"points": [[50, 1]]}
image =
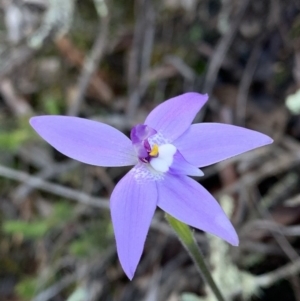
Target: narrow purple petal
{"points": [[133, 204], [182, 167], [141, 132], [85, 140], [188, 201], [207, 143], [139, 136], [173, 117]]}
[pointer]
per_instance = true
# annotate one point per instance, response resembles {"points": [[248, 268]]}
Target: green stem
{"points": [[187, 239]]}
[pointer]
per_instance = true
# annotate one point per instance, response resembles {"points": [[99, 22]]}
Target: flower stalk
{"points": [[187, 239]]}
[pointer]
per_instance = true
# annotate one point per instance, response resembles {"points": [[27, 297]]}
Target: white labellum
{"points": [[164, 159]]}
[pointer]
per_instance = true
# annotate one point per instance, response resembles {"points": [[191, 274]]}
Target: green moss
{"points": [[26, 288]]}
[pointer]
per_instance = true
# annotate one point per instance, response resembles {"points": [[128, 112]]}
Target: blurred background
{"points": [[113, 62]]}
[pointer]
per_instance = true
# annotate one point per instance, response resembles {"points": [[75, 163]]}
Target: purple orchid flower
{"points": [[165, 150]]}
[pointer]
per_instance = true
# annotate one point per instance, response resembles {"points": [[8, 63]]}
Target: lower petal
{"points": [[133, 204], [188, 201]]}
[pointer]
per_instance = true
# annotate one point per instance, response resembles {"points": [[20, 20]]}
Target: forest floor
{"points": [[114, 62]]}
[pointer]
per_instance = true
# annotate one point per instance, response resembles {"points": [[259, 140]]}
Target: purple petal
{"points": [[173, 117], [182, 167], [133, 204], [85, 140], [188, 201], [139, 136], [207, 143]]}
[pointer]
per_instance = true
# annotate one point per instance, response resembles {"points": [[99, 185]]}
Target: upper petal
{"points": [[207, 143], [174, 116], [188, 201], [85, 140], [133, 204]]}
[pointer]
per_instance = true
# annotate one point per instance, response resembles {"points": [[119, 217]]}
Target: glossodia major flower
{"points": [[165, 150]]}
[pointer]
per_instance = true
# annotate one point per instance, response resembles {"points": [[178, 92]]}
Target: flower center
{"points": [[151, 153], [154, 151], [159, 155]]}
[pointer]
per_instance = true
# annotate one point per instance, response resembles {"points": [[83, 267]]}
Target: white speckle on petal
{"points": [[165, 158], [144, 172], [158, 139]]}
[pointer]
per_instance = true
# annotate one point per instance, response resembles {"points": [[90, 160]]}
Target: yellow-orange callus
{"points": [[154, 151]]}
